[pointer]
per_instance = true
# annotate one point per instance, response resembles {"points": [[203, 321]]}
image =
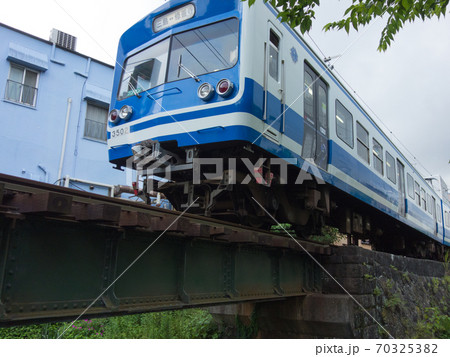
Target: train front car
{"points": [[176, 88], [189, 106]]}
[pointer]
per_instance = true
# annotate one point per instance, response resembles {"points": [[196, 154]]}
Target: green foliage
{"points": [[80, 329], [377, 291], [369, 277], [243, 331], [447, 263], [193, 323], [435, 285], [389, 284], [394, 301], [435, 324], [282, 228], [360, 13], [329, 235]]}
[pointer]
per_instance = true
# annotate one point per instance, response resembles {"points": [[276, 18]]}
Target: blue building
{"points": [[54, 104]]}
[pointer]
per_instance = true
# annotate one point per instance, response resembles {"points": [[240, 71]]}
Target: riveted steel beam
{"points": [[63, 250], [56, 268]]}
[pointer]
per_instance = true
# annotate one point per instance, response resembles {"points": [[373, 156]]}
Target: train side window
{"points": [[309, 99], [274, 49], [410, 184], [344, 124], [438, 211], [424, 198], [417, 192], [429, 203], [433, 207], [362, 136], [323, 110], [391, 173], [378, 157]]}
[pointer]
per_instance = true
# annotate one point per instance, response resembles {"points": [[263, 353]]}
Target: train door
{"points": [[315, 113], [434, 207], [273, 94], [401, 189]]}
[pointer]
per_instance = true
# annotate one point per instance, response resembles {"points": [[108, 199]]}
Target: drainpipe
{"points": [[45, 172], [63, 148]]}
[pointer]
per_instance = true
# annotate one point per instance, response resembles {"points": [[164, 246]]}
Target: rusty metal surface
{"points": [[35, 197]]}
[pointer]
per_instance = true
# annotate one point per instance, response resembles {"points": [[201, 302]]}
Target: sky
{"points": [[406, 86]]}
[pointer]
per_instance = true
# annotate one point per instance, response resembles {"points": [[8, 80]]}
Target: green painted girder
{"points": [[53, 269]]}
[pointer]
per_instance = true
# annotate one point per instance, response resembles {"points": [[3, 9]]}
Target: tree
{"points": [[360, 13]]}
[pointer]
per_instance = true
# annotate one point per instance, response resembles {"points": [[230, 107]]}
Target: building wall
{"points": [[31, 137]]}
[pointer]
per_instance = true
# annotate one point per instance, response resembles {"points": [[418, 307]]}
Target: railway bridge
{"points": [[66, 252]]}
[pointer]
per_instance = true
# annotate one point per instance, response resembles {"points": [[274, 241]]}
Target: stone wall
{"points": [[405, 296], [397, 291]]}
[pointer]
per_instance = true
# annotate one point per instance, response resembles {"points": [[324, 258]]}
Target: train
{"points": [[229, 112]]}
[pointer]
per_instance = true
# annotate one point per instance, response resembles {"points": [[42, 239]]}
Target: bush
{"points": [[192, 323]]}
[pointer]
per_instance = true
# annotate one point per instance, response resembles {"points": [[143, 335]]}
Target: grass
{"points": [[182, 324]]}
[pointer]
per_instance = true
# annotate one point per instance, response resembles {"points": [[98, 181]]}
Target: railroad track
{"points": [[63, 253], [22, 197]]}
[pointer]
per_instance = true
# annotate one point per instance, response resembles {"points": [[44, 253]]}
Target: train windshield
{"points": [[144, 70], [203, 50]]}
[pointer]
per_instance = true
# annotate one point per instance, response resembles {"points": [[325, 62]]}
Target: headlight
{"points": [[205, 91], [224, 87], [125, 112], [114, 116]]}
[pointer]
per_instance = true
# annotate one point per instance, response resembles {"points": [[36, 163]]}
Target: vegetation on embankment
{"points": [[413, 306], [192, 323]]}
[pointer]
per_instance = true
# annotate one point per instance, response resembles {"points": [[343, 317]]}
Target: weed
{"points": [[329, 235], [393, 302], [435, 324], [377, 291]]}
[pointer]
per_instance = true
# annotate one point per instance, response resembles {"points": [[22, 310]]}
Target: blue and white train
{"points": [[205, 80]]}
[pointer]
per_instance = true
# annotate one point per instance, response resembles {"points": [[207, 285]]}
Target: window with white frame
{"points": [[377, 151], [362, 144], [391, 172], [417, 192], [95, 123], [423, 195], [274, 48], [22, 84], [344, 124], [410, 184]]}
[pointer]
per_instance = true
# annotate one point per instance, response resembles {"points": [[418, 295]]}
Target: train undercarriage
{"points": [[243, 184]]}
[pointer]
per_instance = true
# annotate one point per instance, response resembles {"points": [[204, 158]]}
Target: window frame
{"points": [[276, 48], [86, 119], [417, 193], [24, 69], [410, 185], [352, 123], [394, 178], [366, 146], [375, 156], [423, 197], [429, 203]]}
